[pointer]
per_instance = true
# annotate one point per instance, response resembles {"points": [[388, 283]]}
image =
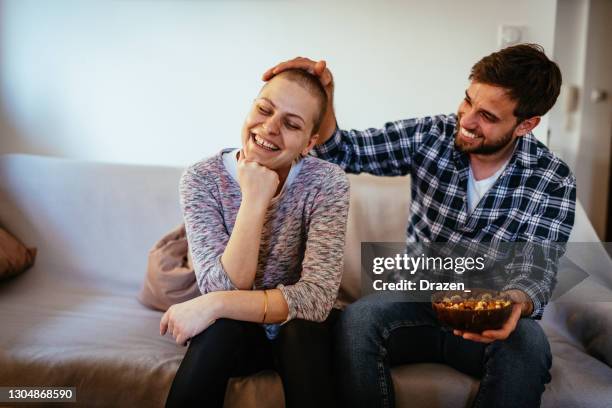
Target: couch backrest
{"points": [[90, 221], [97, 221], [378, 212]]}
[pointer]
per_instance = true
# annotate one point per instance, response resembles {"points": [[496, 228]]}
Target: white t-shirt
{"points": [[230, 161], [476, 189]]}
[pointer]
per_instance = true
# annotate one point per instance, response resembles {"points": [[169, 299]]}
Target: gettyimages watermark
{"points": [[414, 271]]}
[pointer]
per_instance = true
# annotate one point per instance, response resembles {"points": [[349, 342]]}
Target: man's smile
{"points": [[467, 134]]}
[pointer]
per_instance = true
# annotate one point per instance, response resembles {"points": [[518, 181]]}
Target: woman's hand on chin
{"points": [[188, 319], [258, 184]]}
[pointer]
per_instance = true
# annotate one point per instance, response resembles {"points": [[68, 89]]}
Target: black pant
{"points": [[301, 354]]}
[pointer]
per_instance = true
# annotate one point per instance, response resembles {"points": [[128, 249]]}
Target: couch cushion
{"points": [[103, 342], [578, 379], [432, 385]]}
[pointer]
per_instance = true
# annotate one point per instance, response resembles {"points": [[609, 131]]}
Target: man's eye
{"points": [[467, 101], [486, 117], [292, 126]]}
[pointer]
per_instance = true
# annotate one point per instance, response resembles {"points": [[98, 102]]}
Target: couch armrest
{"points": [[591, 324]]}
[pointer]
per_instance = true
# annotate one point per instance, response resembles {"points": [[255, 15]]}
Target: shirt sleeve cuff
{"points": [[217, 281], [292, 313], [538, 305], [326, 149]]}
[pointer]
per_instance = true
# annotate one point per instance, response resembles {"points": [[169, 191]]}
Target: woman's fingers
{"points": [[163, 324], [242, 157], [171, 327], [181, 340], [167, 325]]}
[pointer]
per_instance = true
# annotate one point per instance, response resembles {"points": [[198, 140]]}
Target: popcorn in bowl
{"points": [[474, 311]]}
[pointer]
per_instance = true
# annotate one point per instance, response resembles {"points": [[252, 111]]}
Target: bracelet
{"points": [[265, 306]]}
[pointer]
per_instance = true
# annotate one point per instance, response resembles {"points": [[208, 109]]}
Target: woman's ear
{"points": [[527, 126], [311, 143]]}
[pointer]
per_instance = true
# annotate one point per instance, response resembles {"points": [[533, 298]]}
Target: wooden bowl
{"points": [[475, 311]]}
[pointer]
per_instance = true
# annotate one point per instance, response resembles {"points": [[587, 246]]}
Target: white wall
{"points": [[169, 82], [570, 51], [596, 130], [583, 138]]}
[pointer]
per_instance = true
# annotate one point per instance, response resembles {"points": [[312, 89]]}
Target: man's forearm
{"points": [[328, 125]]}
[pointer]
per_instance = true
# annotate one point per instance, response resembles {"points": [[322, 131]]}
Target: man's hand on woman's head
{"points": [[258, 184], [319, 69]]}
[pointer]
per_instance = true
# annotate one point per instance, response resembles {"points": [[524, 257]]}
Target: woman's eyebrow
{"points": [[288, 113]]}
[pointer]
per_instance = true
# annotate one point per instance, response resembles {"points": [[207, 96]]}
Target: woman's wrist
{"points": [[215, 301], [255, 207]]}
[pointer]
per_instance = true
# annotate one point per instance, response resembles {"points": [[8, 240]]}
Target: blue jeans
{"points": [[375, 334]]}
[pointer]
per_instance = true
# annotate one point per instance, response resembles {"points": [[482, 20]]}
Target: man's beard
{"points": [[485, 149]]}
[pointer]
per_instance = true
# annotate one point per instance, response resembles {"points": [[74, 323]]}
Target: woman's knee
{"points": [[299, 326], [222, 335], [305, 335]]}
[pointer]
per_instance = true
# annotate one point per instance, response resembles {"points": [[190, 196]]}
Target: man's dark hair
{"points": [[312, 84], [532, 80]]}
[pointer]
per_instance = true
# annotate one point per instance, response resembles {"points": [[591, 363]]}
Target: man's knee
{"points": [[378, 312], [526, 349], [530, 338], [359, 318]]}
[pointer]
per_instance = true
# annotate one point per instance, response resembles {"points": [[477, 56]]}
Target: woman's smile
{"points": [[263, 143]]}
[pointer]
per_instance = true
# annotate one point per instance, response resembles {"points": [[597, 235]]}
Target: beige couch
{"points": [[73, 320]]}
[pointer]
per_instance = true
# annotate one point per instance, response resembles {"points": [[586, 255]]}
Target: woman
{"points": [[265, 225]]}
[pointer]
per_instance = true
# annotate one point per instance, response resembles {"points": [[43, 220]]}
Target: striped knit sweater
{"points": [[302, 245]]}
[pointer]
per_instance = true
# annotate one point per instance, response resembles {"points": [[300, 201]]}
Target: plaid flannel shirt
{"points": [[532, 201]]}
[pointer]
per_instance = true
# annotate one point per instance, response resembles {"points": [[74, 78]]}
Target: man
{"points": [[477, 176]]}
